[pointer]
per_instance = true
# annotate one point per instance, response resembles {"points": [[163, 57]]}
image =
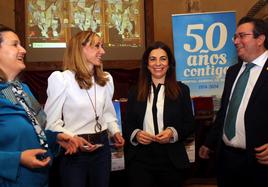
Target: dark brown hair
{"points": [[172, 89], [260, 27], [3, 28]]}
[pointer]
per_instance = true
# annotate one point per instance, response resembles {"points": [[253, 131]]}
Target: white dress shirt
{"points": [[148, 123], [239, 140], [70, 110]]}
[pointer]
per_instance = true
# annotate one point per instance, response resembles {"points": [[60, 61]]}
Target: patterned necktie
{"points": [[234, 103]]}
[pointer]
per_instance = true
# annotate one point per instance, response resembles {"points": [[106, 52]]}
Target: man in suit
{"points": [[242, 159]]}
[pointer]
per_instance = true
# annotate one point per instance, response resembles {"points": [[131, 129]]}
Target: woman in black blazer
{"points": [[159, 118]]}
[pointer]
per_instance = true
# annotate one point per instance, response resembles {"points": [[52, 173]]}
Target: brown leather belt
{"points": [[94, 138]]}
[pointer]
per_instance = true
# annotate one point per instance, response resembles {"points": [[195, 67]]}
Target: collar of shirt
{"points": [[260, 60]]}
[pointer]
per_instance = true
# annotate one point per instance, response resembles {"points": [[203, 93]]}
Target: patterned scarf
{"points": [[34, 111]]}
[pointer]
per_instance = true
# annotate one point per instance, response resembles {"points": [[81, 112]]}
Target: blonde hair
{"points": [[75, 61]]}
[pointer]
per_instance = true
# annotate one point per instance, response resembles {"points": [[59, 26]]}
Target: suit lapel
{"points": [[166, 110], [262, 78], [141, 112], [230, 79]]}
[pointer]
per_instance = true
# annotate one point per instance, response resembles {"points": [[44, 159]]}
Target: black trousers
{"points": [[87, 169], [153, 168], [235, 169]]}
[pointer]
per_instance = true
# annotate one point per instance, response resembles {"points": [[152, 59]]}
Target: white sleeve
{"points": [[175, 135], [110, 85], [56, 94], [133, 134], [109, 111]]}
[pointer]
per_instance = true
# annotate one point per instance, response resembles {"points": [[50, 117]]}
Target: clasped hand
{"points": [[33, 158], [29, 158], [68, 142], [118, 140], [86, 146], [146, 138]]}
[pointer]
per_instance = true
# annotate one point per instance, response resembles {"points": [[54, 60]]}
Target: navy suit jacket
{"points": [[256, 114], [177, 114]]}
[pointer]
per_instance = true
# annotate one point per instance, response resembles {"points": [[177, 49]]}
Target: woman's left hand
{"points": [[68, 143], [164, 136], [119, 140]]}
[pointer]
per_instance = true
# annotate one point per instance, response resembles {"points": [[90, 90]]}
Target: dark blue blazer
{"points": [[256, 114], [177, 114]]}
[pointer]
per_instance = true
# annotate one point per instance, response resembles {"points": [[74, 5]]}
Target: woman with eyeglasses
{"points": [[25, 145], [80, 104]]}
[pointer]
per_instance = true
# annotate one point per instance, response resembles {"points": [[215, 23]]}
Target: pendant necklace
{"points": [[98, 126]]}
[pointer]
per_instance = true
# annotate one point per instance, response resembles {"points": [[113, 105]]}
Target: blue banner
{"points": [[203, 50], [118, 162]]}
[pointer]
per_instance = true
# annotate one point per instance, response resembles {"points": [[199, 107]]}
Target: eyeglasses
{"points": [[241, 35]]}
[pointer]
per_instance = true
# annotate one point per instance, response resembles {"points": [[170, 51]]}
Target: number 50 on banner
{"points": [[204, 50]]}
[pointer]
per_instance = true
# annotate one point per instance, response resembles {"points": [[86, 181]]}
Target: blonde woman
{"points": [[80, 104]]}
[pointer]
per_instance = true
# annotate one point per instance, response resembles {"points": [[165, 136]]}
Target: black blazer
{"points": [[256, 114], [177, 114]]}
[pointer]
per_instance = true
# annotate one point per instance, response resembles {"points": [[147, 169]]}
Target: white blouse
{"points": [[148, 124], [69, 109]]}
